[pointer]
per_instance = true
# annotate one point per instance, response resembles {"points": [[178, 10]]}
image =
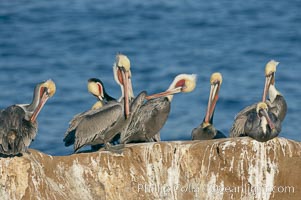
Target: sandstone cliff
{"points": [[238, 168]]}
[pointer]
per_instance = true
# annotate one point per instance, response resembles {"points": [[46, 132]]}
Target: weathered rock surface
{"points": [[238, 168]]}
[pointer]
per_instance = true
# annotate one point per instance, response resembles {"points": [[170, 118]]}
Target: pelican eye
{"points": [[216, 82], [270, 73], [50, 87], [47, 90], [216, 78]]}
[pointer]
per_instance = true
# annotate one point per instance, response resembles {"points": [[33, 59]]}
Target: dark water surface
{"points": [[71, 41]]}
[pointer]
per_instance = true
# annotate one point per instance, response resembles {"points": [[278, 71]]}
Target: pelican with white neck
{"points": [[122, 75], [152, 115], [276, 101], [18, 125]]}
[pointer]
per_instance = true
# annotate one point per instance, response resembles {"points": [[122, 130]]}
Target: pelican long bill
{"points": [[271, 124], [211, 102], [267, 84], [165, 93]]}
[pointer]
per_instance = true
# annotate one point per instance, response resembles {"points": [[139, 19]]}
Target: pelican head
{"points": [[216, 80], [261, 106], [184, 82], [181, 83], [270, 70], [122, 75], [95, 87], [50, 87], [262, 112], [123, 61], [42, 93], [121, 67], [271, 67]]}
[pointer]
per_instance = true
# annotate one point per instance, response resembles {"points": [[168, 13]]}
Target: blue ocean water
{"points": [[72, 41]]}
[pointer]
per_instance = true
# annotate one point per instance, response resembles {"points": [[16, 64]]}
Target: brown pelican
{"points": [[18, 125], [206, 130], [151, 117], [103, 124], [276, 102], [122, 76], [97, 89], [259, 123]]}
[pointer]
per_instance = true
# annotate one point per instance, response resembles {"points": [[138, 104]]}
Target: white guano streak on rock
{"points": [[261, 170], [174, 171], [16, 179], [37, 173], [228, 144], [108, 174], [77, 181], [203, 175], [154, 165], [204, 169], [286, 146], [38, 182], [35, 176], [164, 187], [231, 164], [215, 188]]}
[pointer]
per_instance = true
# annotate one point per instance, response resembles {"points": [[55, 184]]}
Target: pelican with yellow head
{"points": [[18, 126], [276, 101], [206, 130], [152, 115]]}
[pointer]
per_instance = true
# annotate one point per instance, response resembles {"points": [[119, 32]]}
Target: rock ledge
{"points": [[236, 168]]}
